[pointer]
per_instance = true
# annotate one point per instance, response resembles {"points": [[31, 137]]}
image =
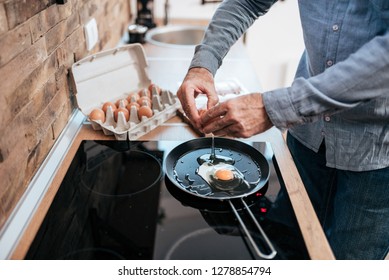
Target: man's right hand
{"points": [[197, 81]]}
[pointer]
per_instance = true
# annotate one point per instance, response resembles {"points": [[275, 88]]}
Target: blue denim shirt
{"points": [[341, 90]]}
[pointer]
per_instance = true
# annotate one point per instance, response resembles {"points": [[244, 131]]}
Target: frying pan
{"points": [[183, 161]]}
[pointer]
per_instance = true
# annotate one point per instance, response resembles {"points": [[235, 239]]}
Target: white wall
{"points": [[274, 42], [191, 9]]}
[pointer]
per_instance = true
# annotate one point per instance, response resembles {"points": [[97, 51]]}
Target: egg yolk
{"points": [[224, 174]]}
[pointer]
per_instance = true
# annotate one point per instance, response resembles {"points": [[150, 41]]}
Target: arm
{"points": [[229, 22], [358, 79]]}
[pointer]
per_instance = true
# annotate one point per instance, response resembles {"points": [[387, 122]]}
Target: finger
{"points": [[213, 114], [227, 131], [221, 133], [190, 106], [187, 99], [216, 124], [213, 99]]}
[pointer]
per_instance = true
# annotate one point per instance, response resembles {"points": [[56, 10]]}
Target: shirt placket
{"points": [[334, 25]]}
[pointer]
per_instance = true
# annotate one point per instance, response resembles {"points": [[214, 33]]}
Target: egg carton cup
{"points": [[164, 107], [109, 76]]}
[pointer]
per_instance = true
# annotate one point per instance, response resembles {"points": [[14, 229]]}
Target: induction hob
{"points": [[116, 203]]}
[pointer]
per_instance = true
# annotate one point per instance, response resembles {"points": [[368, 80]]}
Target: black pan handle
{"points": [[273, 252]]}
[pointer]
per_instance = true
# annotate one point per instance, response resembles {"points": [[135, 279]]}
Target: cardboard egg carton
{"points": [[164, 107], [110, 76]]}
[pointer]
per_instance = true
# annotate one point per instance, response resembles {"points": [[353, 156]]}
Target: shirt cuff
{"points": [[280, 108], [205, 58]]}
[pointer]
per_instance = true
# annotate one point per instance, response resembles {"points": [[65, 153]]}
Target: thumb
{"points": [[213, 99]]}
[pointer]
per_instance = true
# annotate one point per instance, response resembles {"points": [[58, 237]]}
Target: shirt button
{"points": [[327, 118], [335, 27], [329, 63]]}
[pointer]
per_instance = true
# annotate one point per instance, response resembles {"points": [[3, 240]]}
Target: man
{"points": [[336, 111]]}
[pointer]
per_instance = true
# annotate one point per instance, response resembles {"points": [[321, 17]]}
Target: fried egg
{"points": [[222, 176]]}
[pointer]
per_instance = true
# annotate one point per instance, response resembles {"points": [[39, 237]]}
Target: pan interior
{"points": [[185, 173]]}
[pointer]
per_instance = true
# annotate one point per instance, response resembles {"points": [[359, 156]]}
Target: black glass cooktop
{"points": [[115, 202]]}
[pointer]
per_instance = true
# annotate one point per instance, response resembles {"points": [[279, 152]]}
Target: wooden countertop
{"points": [[167, 68]]}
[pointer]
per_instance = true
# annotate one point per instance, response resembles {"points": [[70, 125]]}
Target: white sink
{"points": [[175, 36]]}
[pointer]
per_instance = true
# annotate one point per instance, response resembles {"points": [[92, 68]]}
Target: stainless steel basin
{"points": [[175, 36]]}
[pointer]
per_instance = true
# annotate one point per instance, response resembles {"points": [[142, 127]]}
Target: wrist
{"points": [[264, 115], [200, 71]]}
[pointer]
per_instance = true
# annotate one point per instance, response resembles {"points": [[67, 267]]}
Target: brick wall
{"points": [[39, 42]]}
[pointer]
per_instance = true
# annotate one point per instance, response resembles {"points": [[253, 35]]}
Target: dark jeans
{"points": [[353, 207]]}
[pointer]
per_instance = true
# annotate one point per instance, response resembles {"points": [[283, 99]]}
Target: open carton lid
{"points": [[109, 75]]}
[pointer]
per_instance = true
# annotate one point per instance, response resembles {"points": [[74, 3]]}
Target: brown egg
{"points": [[144, 100], [129, 105], [151, 86], [145, 111], [144, 92], [134, 96], [97, 115], [124, 111], [108, 104], [121, 101]]}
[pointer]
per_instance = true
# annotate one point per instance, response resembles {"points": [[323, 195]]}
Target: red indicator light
{"points": [[263, 209]]}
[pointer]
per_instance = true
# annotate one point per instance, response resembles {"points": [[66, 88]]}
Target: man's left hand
{"points": [[240, 117]]}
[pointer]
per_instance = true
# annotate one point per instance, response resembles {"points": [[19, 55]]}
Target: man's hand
{"points": [[240, 117], [197, 81]]}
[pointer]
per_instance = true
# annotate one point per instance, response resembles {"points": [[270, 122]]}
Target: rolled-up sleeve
{"points": [[230, 21], [350, 83]]}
